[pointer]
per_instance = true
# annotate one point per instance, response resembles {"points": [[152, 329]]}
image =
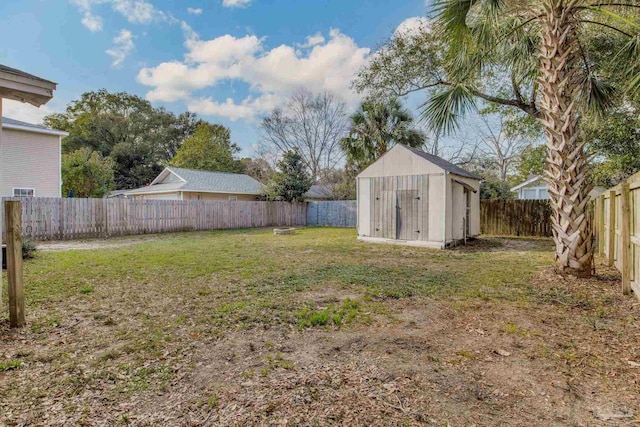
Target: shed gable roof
{"points": [[442, 163], [439, 163], [203, 181]]}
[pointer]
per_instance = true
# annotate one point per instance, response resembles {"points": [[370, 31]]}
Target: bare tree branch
{"points": [[311, 123]]}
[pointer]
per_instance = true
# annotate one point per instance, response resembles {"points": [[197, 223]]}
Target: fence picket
{"points": [[47, 218]]}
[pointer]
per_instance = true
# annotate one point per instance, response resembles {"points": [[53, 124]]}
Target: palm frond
{"points": [[443, 109], [598, 95], [629, 54]]}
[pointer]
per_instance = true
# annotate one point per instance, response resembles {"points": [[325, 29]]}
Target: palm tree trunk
{"points": [[560, 84]]}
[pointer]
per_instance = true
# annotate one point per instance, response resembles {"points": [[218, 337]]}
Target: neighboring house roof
{"points": [[318, 191], [202, 182], [117, 193], [442, 163], [527, 182], [8, 123]]}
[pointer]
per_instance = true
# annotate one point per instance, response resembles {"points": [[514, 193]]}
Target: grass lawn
{"points": [[247, 328]]}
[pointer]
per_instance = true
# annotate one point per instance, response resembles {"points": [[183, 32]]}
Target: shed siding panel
{"points": [[474, 229], [436, 207], [364, 199], [458, 211]]}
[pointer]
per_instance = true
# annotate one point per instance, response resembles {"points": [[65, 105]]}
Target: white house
{"points": [[416, 198], [534, 188], [190, 184], [30, 160]]}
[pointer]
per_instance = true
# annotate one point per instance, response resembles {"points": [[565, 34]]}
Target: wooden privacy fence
{"points": [[338, 213], [515, 218], [617, 231], [45, 218]]}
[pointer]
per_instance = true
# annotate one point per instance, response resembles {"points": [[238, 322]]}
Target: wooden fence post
{"points": [[601, 226], [13, 219], [625, 235], [612, 228], [597, 232]]}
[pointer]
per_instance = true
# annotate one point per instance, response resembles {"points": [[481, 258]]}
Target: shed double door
{"points": [[397, 211]]}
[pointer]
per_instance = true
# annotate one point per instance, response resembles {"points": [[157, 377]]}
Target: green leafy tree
{"points": [[535, 56], [375, 128], [210, 148], [531, 162], [291, 181], [614, 144], [493, 188], [87, 173], [138, 137]]}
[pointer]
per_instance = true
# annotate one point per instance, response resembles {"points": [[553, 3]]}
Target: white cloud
{"points": [[236, 3], [194, 11], [25, 112], [246, 109], [413, 24], [92, 22], [313, 40], [271, 74], [123, 45], [135, 11]]}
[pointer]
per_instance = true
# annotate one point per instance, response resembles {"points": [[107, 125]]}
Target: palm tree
{"points": [[541, 45], [375, 128]]}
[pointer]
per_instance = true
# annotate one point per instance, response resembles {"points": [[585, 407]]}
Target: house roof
{"points": [[20, 73], [318, 191], [192, 180], [8, 123], [117, 193], [442, 163], [24, 87], [527, 182]]}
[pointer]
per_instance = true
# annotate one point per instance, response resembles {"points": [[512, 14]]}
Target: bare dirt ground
{"points": [[437, 365], [566, 355], [79, 245]]}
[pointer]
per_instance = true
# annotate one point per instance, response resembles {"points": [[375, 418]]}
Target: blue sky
{"points": [[230, 61]]}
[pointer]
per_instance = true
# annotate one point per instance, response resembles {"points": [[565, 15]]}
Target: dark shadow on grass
{"points": [[506, 244], [387, 282]]}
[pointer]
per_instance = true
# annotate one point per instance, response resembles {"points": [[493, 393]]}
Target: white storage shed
{"points": [[411, 197]]}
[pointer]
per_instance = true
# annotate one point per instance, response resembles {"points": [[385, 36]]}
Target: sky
{"points": [[229, 61]]}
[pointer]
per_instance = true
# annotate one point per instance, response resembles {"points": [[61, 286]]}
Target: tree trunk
{"points": [[560, 83]]}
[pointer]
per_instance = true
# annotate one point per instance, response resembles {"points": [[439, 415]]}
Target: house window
{"points": [[24, 192], [543, 194], [530, 194], [233, 198]]}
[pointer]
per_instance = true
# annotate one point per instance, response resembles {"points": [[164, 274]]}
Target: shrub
{"points": [[28, 248]]}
